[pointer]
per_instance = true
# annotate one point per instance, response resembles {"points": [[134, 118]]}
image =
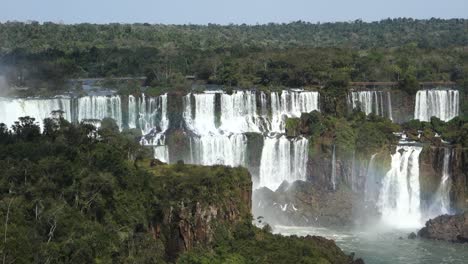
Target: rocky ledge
{"points": [[452, 228]]}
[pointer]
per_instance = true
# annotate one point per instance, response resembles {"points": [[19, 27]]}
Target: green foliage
{"points": [[365, 135], [453, 131], [298, 54], [254, 245], [292, 127]]}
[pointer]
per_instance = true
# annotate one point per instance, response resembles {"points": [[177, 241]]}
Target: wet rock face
{"points": [[452, 228], [304, 204]]}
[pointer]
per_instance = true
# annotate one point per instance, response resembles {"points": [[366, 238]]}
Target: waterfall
{"points": [[371, 187], [373, 102], [399, 199], [441, 204], [202, 119], [219, 149], [212, 145], [239, 113], [283, 160], [333, 170], [443, 104], [291, 104], [263, 104], [100, 107], [12, 109], [132, 111], [150, 115]]}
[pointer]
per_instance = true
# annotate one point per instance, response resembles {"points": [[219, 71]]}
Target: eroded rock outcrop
{"points": [[452, 228]]}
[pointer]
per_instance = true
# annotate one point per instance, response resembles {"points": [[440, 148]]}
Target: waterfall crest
{"points": [[443, 104], [399, 200]]}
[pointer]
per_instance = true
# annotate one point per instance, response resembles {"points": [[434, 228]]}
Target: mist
{"points": [[4, 87]]}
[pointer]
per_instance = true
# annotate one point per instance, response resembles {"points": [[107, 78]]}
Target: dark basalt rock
{"points": [[412, 235], [452, 228]]}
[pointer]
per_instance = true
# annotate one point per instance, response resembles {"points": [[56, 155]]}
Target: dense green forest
{"points": [[75, 194], [294, 55]]}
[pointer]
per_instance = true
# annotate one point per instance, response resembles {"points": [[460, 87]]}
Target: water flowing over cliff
{"points": [[283, 160], [377, 102], [399, 199], [12, 108], [443, 104], [217, 123], [99, 107]]}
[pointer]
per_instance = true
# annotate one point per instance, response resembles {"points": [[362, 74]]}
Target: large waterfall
{"points": [[377, 102], [12, 109], [443, 104], [399, 199], [219, 137], [283, 160]]}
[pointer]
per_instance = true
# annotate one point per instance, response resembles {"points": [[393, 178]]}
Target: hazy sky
{"points": [[225, 12]]}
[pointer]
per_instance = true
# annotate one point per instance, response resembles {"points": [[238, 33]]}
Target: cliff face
{"points": [[304, 204], [402, 106], [460, 179], [192, 207], [206, 211], [190, 226], [431, 166]]}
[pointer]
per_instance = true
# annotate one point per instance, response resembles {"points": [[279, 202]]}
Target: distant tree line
{"points": [[294, 54]]}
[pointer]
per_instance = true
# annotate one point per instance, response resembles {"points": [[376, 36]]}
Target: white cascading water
{"points": [[219, 149], [399, 199], [283, 160], [202, 120], [100, 107], [239, 113], [11, 109], [441, 203], [150, 115], [132, 111], [373, 102], [291, 104], [224, 142], [444, 104], [211, 145]]}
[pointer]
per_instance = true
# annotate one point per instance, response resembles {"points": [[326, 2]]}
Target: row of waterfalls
{"points": [[218, 129], [440, 103]]}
